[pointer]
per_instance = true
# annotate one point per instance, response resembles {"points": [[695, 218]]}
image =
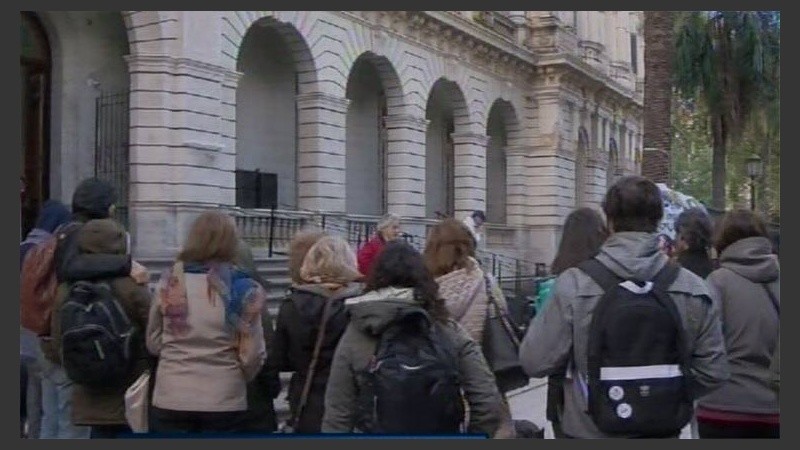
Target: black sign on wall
{"points": [[255, 189]]}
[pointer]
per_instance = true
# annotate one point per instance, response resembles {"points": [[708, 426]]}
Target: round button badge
{"points": [[616, 393], [624, 410]]}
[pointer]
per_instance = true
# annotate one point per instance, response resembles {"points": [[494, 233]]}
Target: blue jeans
{"points": [[57, 405]]}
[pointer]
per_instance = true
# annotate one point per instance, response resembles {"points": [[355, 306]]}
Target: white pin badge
{"points": [[624, 410], [616, 393]]}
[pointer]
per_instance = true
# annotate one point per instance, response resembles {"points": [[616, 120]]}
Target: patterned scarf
{"points": [[241, 296]]}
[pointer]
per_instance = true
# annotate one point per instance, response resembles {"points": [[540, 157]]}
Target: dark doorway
{"points": [[35, 112]]}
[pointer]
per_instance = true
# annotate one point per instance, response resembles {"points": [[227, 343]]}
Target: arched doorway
{"points": [[581, 156], [446, 111], [501, 128], [366, 140], [35, 66]]}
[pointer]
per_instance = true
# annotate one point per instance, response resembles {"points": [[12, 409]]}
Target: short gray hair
{"points": [[388, 220]]}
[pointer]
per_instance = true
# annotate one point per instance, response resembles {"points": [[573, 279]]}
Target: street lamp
{"points": [[755, 167]]}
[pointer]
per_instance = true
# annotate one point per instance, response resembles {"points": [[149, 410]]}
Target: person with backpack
{"points": [[638, 337], [53, 215], [466, 289], [747, 288], [310, 323], [49, 268], [581, 238], [402, 366], [205, 328], [101, 334]]}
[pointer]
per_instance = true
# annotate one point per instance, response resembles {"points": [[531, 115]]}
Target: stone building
{"points": [[524, 114]]}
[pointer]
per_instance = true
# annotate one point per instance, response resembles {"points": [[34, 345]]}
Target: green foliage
{"points": [[727, 72]]}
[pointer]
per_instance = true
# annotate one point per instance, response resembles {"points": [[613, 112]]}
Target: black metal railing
{"points": [[111, 146]]}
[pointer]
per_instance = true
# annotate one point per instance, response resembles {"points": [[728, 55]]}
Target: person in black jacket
{"points": [[329, 270]]}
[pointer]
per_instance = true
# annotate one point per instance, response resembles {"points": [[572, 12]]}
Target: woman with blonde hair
{"points": [[387, 230], [466, 289], [205, 328], [310, 323]]}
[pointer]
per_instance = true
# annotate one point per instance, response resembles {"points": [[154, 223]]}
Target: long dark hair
{"points": [[583, 235], [401, 265]]}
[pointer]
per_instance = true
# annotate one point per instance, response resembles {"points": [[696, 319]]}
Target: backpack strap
{"points": [[601, 274]]}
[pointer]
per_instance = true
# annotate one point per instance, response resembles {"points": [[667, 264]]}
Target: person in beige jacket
{"points": [[205, 327]]}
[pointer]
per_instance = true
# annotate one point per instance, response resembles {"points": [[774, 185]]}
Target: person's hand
{"points": [[139, 273]]}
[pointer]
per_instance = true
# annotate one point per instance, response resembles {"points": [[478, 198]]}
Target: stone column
{"points": [[469, 172], [321, 168], [181, 160], [406, 165]]}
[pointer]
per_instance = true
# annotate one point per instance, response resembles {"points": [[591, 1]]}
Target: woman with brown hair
{"points": [[205, 328], [466, 289], [746, 287], [310, 323], [583, 234]]}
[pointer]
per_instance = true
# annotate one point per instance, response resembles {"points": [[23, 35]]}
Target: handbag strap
{"points": [[313, 364], [499, 312]]}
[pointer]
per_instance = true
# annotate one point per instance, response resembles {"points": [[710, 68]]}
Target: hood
{"points": [[371, 313], [632, 255], [310, 298], [53, 215], [103, 236], [752, 258], [92, 199]]}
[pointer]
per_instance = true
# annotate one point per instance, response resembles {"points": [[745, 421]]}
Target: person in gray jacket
{"points": [[558, 338], [747, 287]]}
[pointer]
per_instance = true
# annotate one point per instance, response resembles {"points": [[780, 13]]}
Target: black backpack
{"points": [[412, 382], [97, 337], [639, 379]]}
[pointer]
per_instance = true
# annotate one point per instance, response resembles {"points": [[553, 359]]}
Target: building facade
{"points": [[523, 114]]}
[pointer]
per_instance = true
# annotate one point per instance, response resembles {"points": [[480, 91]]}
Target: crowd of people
{"points": [[635, 342]]}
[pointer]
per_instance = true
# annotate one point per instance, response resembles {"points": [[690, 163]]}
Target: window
{"points": [[634, 54]]}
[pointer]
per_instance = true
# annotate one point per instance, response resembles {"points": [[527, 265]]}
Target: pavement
{"points": [[529, 403]]}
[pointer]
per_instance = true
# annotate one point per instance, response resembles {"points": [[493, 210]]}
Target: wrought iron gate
{"points": [[111, 150]]}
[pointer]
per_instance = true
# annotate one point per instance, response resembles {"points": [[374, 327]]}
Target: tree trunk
{"points": [[718, 169], [659, 50]]}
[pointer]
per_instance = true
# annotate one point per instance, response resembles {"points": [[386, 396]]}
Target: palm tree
{"points": [[729, 61], [659, 52]]}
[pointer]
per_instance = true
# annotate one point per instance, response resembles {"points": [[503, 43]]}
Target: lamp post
{"points": [[755, 167]]}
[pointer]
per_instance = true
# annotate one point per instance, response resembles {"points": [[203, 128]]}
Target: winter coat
{"points": [[208, 368], [368, 254], [370, 315], [558, 337], [750, 324], [92, 406], [292, 349]]}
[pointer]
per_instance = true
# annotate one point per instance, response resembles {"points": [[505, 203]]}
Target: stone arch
{"points": [[236, 25], [151, 32], [453, 176], [374, 93], [502, 129], [613, 168], [581, 160]]}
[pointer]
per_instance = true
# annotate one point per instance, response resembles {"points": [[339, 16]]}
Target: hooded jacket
{"points": [[750, 324], [296, 330], [107, 406], [91, 200], [558, 337], [370, 315]]}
